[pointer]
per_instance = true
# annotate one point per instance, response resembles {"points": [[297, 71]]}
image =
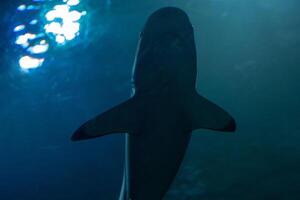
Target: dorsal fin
{"points": [[203, 114], [119, 119]]}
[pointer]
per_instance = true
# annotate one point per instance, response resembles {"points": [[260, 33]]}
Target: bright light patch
{"points": [[33, 7], [61, 23], [60, 39], [21, 7], [27, 62], [62, 8], [33, 22], [23, 40], [75, 15], [51, 15], [53, 27], [19, 28], [69, 27], [70, 36], [38, 49], [73, 2]]}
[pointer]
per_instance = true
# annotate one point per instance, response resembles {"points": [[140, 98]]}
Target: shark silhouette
{"points": [[163, 110]]}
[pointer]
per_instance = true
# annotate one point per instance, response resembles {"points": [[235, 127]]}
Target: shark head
{"points": [[167, 21], [166, 55]]}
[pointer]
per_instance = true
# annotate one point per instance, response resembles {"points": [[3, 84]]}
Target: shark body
{"points": [[163, 110]]}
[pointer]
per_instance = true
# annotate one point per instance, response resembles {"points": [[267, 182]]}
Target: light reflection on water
{"points": [[28, 62], [56, 26]]}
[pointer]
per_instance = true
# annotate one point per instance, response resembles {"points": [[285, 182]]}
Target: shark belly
{"points": [[152, 171], [154, 156]]}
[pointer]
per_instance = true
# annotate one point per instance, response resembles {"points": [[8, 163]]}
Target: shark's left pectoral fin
{"points": [[203, 114], [119, 119]]}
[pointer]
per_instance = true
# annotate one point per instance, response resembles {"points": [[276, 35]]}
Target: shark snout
{"points": [[165, 21]]}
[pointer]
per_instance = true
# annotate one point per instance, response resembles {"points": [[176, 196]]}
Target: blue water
{"points": [[248, 62]]}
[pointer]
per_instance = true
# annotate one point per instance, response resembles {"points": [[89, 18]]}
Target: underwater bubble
{"points": [[27, 62]]}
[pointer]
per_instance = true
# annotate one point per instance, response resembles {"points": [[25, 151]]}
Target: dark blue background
{"points": [[248, 62]]}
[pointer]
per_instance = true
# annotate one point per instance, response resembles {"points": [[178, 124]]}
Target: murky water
{"points": [[248, 62]]}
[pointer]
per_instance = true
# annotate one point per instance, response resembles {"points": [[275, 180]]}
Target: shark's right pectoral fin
{"points": [[119, 119], [203, 114]]}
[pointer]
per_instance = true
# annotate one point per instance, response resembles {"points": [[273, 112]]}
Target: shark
{"points": [[163, 110]]}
